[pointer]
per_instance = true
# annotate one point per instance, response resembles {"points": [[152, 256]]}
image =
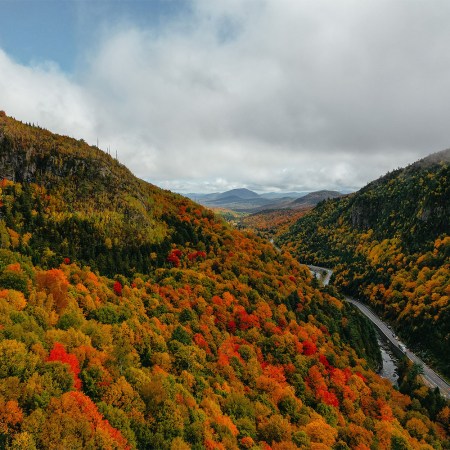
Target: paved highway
{"points": [[321, 274], [431, 378]]}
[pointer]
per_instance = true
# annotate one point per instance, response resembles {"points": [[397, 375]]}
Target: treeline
{"points": [[272, 223]]}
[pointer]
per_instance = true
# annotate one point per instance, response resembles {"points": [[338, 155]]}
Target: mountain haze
{"points": [[244, 200]]}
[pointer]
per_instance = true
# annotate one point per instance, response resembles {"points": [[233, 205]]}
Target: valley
{"points": [[386, 249], [132, 317], [224, 225]]}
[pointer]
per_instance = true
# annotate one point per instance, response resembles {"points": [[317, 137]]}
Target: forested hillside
{"points": [[131, 317], [389, 243], [272, 223]]}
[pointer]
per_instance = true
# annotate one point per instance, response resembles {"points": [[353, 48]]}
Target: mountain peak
{"points": [[242, 193], [434, 158]]}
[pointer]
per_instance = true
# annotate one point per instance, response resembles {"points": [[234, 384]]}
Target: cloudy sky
{"points": [[209, 95]]}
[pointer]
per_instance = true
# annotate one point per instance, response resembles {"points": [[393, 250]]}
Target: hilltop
{"points": [[131, 317], [82, 204], [313, 198]]}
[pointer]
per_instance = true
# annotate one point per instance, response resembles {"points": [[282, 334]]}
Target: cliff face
{"points": [[412, 204], [359, 218], [29, 160], [15, 165]]}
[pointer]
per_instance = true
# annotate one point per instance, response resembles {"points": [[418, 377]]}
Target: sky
{"points": [[211, 95]]}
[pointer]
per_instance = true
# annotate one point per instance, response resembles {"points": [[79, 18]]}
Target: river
{"points": [[389, 368]]}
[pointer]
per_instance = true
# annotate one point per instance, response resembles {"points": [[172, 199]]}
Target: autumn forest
{"points": [[133, 318]]}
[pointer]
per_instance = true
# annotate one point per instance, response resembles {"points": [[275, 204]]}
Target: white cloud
{"points": [[291, 95], [43, 95]]}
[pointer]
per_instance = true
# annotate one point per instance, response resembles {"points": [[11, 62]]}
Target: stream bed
{"points": [[389, 369]]}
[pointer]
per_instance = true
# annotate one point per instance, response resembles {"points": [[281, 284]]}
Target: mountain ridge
{"points": [[244, 200], [315, 197], [389, 244]]}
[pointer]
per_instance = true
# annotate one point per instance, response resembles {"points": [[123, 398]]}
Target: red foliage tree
{"points": [[201, 342], [231, 326], [174, 257], [75, 406], [328, 397], [58, 353], [196, 255], [360, 375], [118, 288], [323, 359], [309, 348]]}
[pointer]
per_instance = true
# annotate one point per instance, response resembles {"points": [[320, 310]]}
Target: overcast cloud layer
{"points": [[271, 95]]}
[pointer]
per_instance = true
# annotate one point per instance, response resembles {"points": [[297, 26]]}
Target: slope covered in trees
{"points": [[389, 243], [210, 339], [272, 223], [76, 201]]}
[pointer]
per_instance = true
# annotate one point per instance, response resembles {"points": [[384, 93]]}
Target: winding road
{"points": [[322, 274], [431, 378]]}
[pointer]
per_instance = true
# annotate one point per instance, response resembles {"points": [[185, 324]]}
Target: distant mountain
{"points": [[196, 196], [277, 204], [308, 200], [239, 200], [239, 193], [316, 197], [277, 195], [245, 200]]}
